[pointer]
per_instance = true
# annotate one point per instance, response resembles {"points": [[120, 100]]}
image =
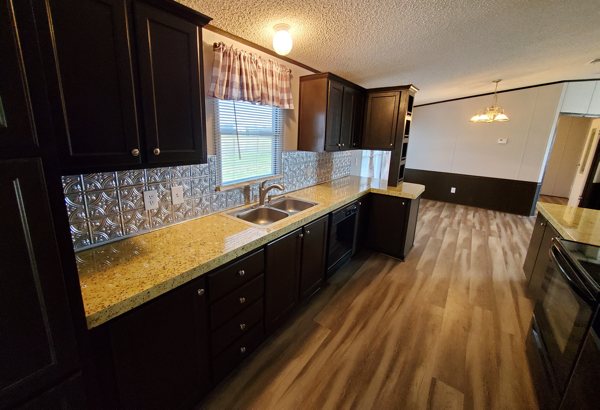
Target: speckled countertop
{"points": [[575, 224], [120, 276]]}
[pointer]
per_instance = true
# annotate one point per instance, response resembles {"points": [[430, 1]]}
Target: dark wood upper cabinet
{"points": [[314, 252], [160, 350], [171, 81], [281, 278], [38, 346], [17, 129], [330, 113], [381, 120], [102, 58]]}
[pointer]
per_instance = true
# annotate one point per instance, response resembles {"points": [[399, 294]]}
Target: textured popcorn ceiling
{"points": [[446, 48]]}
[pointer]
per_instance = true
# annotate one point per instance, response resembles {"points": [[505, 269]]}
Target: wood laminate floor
{"points": [[444, 330]]}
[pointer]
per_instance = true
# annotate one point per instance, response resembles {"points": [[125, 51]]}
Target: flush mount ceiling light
{"points": [[494, 113], [282, 40]]}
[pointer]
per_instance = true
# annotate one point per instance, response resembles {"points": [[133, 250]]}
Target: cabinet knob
{"points": [[156, 151], [242, 326], [201, 292], [301, 235], [343, 145], [241, 272], [541, 224], [135, 152], [403, 203], [307, 232], [359, 203], [391, 144], [242, 300], [243, 349]]}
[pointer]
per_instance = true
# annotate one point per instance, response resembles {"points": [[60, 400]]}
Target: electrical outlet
{"points": [[177, 194], [150, 200], [453, 190], [502, 140]]}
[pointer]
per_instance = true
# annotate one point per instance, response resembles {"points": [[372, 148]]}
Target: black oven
{"points": [[342, 236], [562, 317]]}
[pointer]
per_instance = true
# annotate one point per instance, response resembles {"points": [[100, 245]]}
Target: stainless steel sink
{"points": [[291, 205], [262, 215]]}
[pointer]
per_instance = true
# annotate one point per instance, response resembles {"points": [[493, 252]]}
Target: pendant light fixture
{"points": [[282, 40], [494, 113]]}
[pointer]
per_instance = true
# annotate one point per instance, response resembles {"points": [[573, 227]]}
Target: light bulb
{"points": [[282, 40]]}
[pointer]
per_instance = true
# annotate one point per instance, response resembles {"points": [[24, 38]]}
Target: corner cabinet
{"points": [[330, 113], [125, 82]]}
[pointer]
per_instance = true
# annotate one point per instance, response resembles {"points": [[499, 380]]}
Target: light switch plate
{"points": [[453, 190], [177, 194], [150, 200], [502, 140]]}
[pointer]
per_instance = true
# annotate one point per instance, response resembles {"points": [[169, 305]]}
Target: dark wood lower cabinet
{"points": [[314, 256], [392, 224], [160, 350], [281, 278], [65, 396]]}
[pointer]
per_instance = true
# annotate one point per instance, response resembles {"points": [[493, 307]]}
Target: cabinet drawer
{"points": [[232, 304], [240, 349], [235, 275], [236, 327]]}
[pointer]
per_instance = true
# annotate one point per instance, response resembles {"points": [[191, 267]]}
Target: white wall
{"points": [[442, 138], [290, 131]]}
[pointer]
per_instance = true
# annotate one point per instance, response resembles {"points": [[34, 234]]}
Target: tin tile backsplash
{"points": [[110, 205]]}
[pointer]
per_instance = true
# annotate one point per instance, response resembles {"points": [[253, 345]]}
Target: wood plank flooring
{"points": [[444, 330], [554, 199]]}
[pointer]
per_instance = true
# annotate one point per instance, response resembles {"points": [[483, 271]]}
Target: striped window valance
{"points": [[242, 76]]}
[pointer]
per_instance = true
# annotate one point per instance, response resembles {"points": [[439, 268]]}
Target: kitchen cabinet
{"points": [[282, 268], [17, 129], [381, 119], [537, 258], [160, 350], [392, 224], [66, 395], [363, 221], [118, 73], [314, 248], [38, 346], [330, 113]]}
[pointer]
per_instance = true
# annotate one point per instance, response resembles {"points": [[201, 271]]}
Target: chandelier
{"points": [[493, 113]]}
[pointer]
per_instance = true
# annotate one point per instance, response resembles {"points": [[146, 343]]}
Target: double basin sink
{"points": [[274, 211]]}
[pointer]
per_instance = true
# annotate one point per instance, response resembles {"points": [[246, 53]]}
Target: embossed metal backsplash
{"points": [[110, 205]]}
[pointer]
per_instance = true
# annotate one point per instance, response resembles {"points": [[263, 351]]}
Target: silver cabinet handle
{"points": [[135, 152], [241, 272], [201, 292], [403, 203], [307, 232], [301, 235], [359, 203], [156, 151], [391, 144], [242, 326], [243, 349], [343, 145], [242, 300]]}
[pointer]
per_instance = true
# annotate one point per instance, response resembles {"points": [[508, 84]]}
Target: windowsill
{"points": [[222, 188]]}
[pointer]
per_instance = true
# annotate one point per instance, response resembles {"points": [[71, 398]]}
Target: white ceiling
{"points": [[447, 48]]}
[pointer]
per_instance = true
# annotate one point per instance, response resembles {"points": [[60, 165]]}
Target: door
{"points": [[37, 346], [170, 62], [349, 123], [335, 101], [381, 120], [314, 247], [387, 221], [17, 130], [91, 85], [160, 350], [281, 276], [534, 245]]}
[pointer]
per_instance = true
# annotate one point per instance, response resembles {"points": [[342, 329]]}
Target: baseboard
{"points": [[505, 195]]}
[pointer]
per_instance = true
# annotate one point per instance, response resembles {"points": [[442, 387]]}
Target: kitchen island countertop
{"points": [[575, 224]]}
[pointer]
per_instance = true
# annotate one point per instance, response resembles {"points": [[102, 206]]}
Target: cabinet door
{"points": [[281, 276], [363, 221], [541, 262], [387, 220], [349, 123], [335, 102], [37, 346], [314, 245], [67, 395], [357, 127], [17, 131], [160, 350], [381, 120], [534, 245], [92, 87], [170, 62]]}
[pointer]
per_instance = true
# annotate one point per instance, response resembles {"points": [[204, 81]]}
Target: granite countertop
{"points": [[120, 276], [575, 224]]}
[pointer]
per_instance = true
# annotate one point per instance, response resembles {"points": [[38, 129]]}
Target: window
{"points": [[247, 141]]}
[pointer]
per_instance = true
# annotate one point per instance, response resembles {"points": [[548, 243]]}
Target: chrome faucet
{"points": [[263, 190]]}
